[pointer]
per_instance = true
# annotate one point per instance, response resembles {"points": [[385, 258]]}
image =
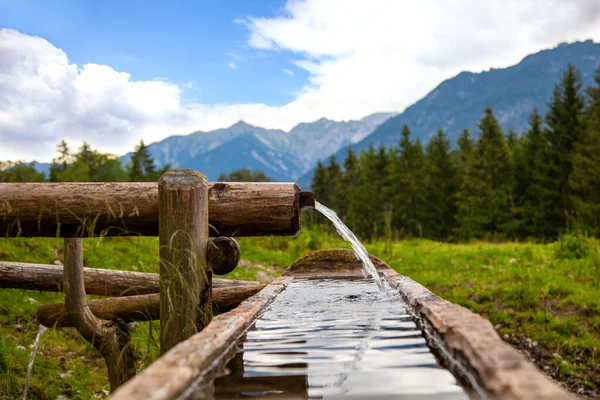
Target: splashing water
{"points": [[34, 350], [359, 250]]}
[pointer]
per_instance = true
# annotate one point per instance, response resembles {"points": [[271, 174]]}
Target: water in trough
{"points": [[333, 338]]}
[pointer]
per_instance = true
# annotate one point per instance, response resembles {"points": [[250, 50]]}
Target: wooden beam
{"points": [[131, 209], [140, 308], [99, 282], [185, 277]]}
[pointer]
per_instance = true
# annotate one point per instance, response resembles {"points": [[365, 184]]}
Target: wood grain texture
{"points": [[140, 308], [190, 362], [99, 282], [111, 339], [185, 277], [131, 209]]}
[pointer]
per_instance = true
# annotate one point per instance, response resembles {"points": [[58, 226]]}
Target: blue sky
{"points": [[185, 42], [114, 72]]}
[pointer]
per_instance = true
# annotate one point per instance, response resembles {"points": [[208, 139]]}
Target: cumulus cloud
{"points": [[361, 57], [383, 55]]}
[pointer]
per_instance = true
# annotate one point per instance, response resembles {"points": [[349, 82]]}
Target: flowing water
{"points": [[361, 253], [332, 338], [34, 350]]}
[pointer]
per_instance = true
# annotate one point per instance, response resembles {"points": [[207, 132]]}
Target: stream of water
{"points": [[361, 253], [34, 351]]}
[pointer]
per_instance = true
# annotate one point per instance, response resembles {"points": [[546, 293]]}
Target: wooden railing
{"points": [[183, 210]]}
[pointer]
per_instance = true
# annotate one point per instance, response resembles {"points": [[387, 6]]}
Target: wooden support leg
{"points": [[185, 277], [111, 339]]}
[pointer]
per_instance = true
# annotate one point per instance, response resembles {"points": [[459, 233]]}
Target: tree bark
{"points": [[110, 338], [185, 277], [140, 308], [131, 209], [100, 282]]}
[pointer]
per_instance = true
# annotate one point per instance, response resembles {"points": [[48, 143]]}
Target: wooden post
{"points": [[110, 338], [185, 278]]}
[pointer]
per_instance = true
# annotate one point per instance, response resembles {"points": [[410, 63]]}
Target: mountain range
{"points": [[455, 104]]}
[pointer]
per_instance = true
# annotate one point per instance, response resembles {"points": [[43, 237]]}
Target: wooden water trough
{"points": [[463, 342]]}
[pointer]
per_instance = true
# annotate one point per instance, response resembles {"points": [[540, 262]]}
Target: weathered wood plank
{"points": [[173, 373], [131, 209], [140, 308], [99, 282]]}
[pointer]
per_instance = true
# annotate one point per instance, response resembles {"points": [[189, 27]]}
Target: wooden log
{"points": [[111, 338], [100, 282], [131, 209], [185, 277], [140, 308], [223, 255]]}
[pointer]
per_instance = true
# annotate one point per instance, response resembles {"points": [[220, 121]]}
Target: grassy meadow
{"points": [[544, 298]]}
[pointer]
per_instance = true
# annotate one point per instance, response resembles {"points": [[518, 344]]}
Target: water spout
{"points": [[34, 350], [359, 250]]}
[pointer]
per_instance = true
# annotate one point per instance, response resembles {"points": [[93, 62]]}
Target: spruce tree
{"points": [[565, 129], [468, 194], [141, 166], [60, 163], [585, 177], [334, 180], [348, 184], [365, 213], [440, 189], [407, 180], [485, 208]]}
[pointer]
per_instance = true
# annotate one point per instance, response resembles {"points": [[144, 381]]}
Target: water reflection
{"points": [[331, 339]]}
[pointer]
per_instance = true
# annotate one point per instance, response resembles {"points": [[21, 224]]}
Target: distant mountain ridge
{"points": [[283, 156], [458, 102]]}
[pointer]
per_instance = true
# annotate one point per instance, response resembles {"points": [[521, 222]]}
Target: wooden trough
{"points": [[463, 342]]}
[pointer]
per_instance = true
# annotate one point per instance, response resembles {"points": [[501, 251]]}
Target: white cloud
{"points": [[362, 57], [288, 71], [383, 55], [232, 65]]}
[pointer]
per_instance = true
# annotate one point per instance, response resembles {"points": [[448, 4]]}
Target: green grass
{"points": [[549, 293]]}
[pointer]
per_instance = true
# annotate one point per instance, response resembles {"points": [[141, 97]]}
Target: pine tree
{"points": [[534, 190], [565, 128], [349, 183], [408, 185], [60, 163], [364, 211], [486, 200], [585, 177], [441, 186], [334, 178], [468, 188], [141, 167]]}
